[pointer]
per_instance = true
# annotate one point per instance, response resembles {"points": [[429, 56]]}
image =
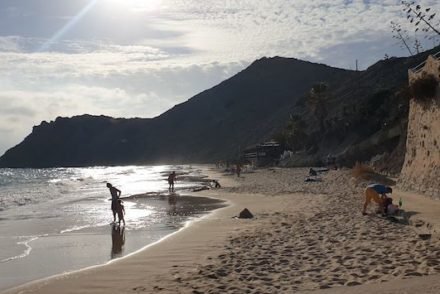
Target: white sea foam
{"points": [[26, 252], [73, 229]]}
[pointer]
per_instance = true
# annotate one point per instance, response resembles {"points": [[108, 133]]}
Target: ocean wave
{"points": [[27, 250], [22, 201], [73, 229], [78, 228], [54, 181], [6, 172], [69, 181]]}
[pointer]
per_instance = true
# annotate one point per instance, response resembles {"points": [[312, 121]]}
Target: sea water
{"points": [[58, 220]]}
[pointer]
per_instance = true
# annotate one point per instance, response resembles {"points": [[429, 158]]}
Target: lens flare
{"points": [[138, 5], [61, 32]]}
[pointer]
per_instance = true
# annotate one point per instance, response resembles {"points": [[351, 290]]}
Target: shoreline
{"points": [[110, 262], [299, 228], [57, 259], [38, 285]]}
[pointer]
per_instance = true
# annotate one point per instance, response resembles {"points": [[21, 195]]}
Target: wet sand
{"points": [[48, 251], [306, 236]]}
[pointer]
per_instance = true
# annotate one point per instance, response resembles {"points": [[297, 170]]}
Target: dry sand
{"points": [[306, 236]]}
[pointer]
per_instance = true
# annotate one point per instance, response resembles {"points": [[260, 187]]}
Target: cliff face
{"points": [[421, 170], [78, 141], [366, 118], [363, 117]]}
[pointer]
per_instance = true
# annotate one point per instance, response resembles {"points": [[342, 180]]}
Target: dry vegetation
{"points": [[424, 88], [363, 172]]}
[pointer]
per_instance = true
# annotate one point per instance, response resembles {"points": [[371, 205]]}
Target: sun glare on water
{"points": [[138, 5]]}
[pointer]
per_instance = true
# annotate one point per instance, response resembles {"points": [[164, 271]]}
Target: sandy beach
{"points": [[305, 236]]}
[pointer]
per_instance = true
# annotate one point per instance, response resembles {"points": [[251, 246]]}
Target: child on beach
{"points": [[389, 207], [121, 212], [393, 209]]}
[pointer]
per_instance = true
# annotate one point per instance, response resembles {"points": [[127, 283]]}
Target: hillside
{"points": [[246, 109]]}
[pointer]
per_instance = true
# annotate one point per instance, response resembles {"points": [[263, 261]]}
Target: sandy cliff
{"points": [[421, 170]]}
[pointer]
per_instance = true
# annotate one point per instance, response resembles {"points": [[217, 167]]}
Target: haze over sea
{"points": [[58, 220]]}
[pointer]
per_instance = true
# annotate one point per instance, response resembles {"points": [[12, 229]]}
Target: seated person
{"points": [[313, 176], [386, 202], [216, 184], [393, 209]]}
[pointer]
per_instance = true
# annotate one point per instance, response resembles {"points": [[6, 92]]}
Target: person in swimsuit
{"points": [[376, 193]]}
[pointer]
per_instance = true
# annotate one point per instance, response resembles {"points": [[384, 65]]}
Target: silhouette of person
{"points": [[216, 184], [118, 240], [171, 179], [238, 169], [121, 212], [115, 193]]}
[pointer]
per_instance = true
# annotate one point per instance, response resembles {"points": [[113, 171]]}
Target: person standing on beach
{"points": [[238, 169], [376, 193], [116, 193], [171, 180]]}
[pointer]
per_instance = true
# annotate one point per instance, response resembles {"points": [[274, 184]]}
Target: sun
{"points": [[138, 5]]}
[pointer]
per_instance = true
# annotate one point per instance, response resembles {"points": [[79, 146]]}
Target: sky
{"points": [[138, 58]]}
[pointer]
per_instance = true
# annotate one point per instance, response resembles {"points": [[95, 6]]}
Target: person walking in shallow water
{"points": [[171, 180], [121, 212], [115, 193]]}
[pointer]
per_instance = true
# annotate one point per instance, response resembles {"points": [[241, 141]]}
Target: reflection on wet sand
{"points": [[118, 240], [172, 201]]}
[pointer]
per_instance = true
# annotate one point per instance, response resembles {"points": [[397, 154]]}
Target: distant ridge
{"points": [[217, 123]]}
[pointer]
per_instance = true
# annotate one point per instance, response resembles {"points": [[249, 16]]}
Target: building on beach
{"points": [[263, 154]]}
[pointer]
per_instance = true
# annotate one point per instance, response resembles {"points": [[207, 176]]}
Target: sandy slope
{"points": [[306, 236]]}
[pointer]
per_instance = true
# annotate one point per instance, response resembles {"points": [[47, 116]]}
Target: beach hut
{"points": [[263, 154]]}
